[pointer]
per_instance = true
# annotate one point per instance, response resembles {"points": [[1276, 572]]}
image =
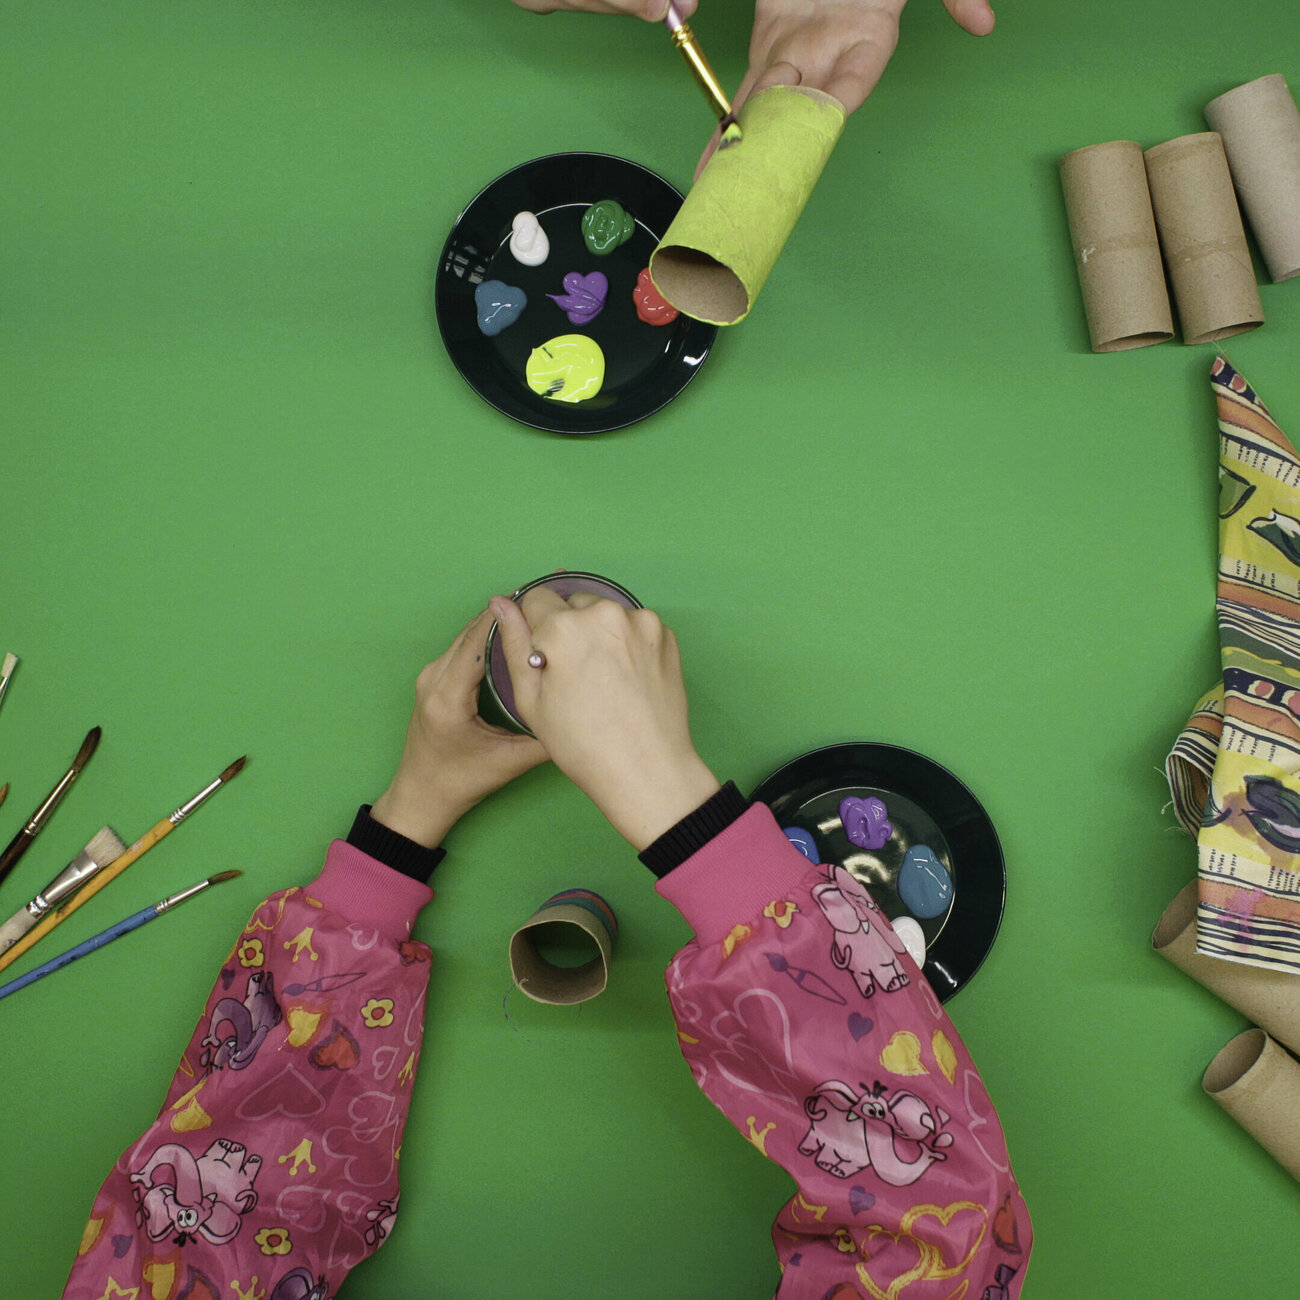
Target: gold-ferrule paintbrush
{"points": [[115, 869], [36, 822], [684, 39]]}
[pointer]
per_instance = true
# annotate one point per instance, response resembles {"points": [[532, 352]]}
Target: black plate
{"points": [[927, 805], [646, 366]]}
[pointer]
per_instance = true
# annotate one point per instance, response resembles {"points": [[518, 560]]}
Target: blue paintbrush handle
{"points": [[65, 958]]}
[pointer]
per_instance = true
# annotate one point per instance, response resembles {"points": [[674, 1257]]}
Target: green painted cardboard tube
{"points": [[717, 253]]}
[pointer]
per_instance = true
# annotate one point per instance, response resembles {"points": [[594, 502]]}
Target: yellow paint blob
{"points": [[567, 368]]}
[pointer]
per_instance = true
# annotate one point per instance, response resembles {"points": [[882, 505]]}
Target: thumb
{"points": [[517, 643], [516, 636]]}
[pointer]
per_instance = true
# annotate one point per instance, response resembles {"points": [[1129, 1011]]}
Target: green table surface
{"points": [[246, 496]]}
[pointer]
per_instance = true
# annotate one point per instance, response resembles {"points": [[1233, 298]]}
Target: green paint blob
{"points": [[606, 225]]}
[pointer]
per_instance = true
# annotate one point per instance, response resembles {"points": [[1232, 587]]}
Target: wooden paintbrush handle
{"points": [[96, 883]]}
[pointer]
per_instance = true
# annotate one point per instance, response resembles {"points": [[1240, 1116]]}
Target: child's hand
{"points": [[452, 759], [654, 11], [609, 706]]}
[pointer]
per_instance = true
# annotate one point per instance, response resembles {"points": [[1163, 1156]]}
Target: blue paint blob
{"points": [[803, 841], [924, 884], [499, 305]]}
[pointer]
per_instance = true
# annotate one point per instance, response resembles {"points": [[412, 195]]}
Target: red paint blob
{"points": [[649, 305]]}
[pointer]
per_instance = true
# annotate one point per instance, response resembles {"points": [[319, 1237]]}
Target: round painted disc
{"points": [[646, 366], [927, 805]]}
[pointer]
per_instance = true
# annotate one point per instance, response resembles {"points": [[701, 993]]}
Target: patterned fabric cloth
{"points": [[1234, 773]]}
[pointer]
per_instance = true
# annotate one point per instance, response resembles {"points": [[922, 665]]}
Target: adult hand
{"points": [[609, 706], [653, 11], [839, 46], [452, 759]]}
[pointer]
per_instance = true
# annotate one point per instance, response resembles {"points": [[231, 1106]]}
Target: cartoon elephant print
{"points": [[865, 944], [237, 1029], [204, 1197], [899, 1137]]}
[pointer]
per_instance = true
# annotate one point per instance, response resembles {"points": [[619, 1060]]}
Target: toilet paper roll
{"points": [[1116, 251], [1260, 126], [1268, 998], [574, 918], [1258, 1084], [717, 253], [1202, 238]]}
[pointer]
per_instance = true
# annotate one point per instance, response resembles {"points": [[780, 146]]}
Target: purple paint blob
{"points": [[584, 296], [564, 585], [866, 822]]}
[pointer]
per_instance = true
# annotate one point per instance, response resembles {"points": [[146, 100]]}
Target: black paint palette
{"points": [[646, 366], [927, 805]]}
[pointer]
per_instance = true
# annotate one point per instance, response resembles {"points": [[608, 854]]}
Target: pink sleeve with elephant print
{"points": [[272, 1168], [806, 1023]]}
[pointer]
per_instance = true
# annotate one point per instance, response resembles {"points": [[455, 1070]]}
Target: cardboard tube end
{"points": [[1234, 1061], [1224, 331], [1133, 341], [699, 285]]}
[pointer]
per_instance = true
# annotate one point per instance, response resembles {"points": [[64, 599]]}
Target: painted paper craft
{"points": [[1234, 772], [574, 918], [721, 246]]}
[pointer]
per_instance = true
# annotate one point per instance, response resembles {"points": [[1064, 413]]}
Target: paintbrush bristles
{"points": [[222, 876], [88, 747], [234, 769], [107, 846]]}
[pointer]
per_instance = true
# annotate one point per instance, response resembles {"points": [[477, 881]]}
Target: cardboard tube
{"points": [[1116, 251], [576, 916], [1202, 238], [717, 253], [1268, 998], [1258, 1084], [1260, 126]]}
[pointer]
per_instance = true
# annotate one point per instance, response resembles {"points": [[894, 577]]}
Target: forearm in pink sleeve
{"points": [[806, 1023], [272, 1167]]}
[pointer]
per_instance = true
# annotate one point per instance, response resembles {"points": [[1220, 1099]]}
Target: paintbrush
{"points": [[110, 873], [10, 663], [684, 38], [4, 792], [106, 847], [134, 922], [22, 841]]}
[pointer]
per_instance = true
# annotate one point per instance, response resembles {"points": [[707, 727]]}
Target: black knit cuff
{"points": [[694, 830], [393, 850]]}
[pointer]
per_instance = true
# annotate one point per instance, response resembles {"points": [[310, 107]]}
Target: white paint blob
{"points": [[528, 240], [913, 937]]}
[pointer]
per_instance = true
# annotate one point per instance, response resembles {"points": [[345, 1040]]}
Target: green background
{"points": [[246, 496]]}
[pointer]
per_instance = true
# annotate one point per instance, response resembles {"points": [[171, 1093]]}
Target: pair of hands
{"points": [[839, 46], [609, 709]]}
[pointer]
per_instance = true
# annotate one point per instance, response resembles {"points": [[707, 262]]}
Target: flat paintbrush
{"points": [[110, 873], [6, 672], [134, 922], [684, 38], [105, 848], [36, 822]]}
